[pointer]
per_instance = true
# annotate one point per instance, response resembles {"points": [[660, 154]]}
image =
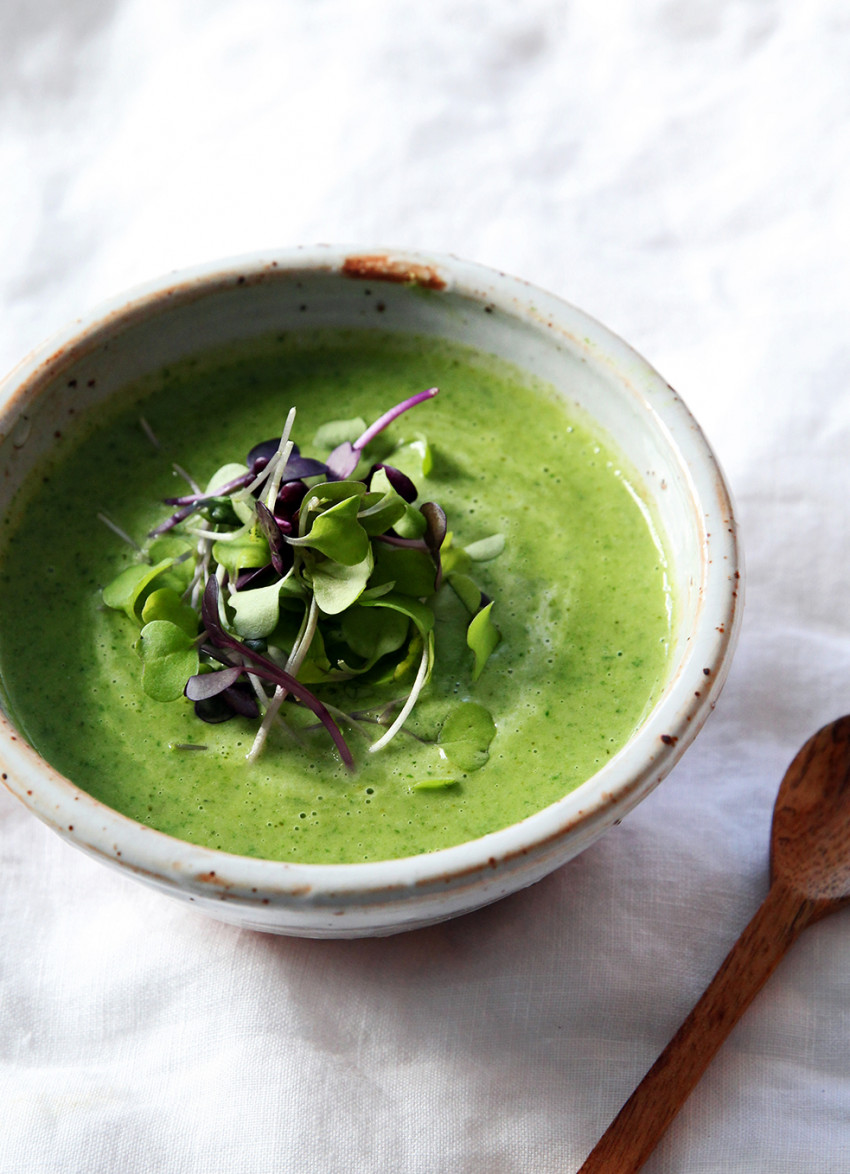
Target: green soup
{"points": [[581, 601]]}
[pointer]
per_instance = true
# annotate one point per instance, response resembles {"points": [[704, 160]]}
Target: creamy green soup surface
{"points": [[581, 602]]}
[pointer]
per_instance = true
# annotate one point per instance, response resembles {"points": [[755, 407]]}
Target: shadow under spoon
{"points": [[809, 878]]}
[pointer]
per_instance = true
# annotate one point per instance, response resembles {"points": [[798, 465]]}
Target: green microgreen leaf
{"points": [[413, 457], [420, 613], [486, 548], [127, 591], [242, 507], [336, 432], [180, 552], [482, 636], [337, 585], [374, 632], [167, 604], [169, 657], [412, 571], [408, 664], [379, 512], [433, 784], [467, 592], [171, 546], [412, 524], [466, 735], [244, 553], [337, 534], [454, 559], [256, 612], [332, 491]]}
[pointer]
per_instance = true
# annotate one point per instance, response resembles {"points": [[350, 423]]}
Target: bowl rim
{"points": [[673, 722]]}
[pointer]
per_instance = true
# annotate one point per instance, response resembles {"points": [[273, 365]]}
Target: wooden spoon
{"points": [[809, 878]]}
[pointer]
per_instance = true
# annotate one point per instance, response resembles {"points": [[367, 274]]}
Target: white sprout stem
{"points": [[283, 455], [219, 535], [122, 534], [265, 725], [349, 719], [408, 705], [267, 472], [187, 477], [149, 432], [296, 659], [257, 686], [304, 639], [201, 574]]}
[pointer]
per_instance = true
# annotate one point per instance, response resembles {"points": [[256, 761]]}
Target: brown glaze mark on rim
{"points": [[380, 268]]}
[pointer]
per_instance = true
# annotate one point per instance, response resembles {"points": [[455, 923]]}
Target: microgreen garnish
{"points": [[466, 735], [289, 576]]}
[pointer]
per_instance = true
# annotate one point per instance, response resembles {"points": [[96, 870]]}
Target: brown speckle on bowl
{"points": [[381, 268]]}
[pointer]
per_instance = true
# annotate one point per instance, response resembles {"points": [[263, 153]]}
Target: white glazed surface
{"points": [[679, 168], [595, 372]]}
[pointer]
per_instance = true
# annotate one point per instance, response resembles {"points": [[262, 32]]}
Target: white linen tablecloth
{"points": [[681, 170]]}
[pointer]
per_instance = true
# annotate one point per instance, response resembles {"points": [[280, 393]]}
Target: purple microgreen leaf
{"points": [[242, 700], [210, 616], [261, 454], [296, 467], [221, 707], [437, 526], [214, 710], [261, 577], [434, 536], [400, 482], [289, 498], [203, 685], [343, 461], [262, 667], [281, 552]]}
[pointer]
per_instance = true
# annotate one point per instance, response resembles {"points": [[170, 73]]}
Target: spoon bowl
{"points": [[810, 838]]}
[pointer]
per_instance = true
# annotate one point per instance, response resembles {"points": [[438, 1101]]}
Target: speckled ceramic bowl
{"points": [[378, 290]]}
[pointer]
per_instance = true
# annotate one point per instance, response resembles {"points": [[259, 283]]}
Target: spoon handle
{"points": [[640, 1124]]}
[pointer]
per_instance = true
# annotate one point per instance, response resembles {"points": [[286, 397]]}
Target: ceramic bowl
{"points": [[381, 290]]}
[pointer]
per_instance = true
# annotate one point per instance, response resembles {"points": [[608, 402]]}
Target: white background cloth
{"points": [[681, 170]]}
